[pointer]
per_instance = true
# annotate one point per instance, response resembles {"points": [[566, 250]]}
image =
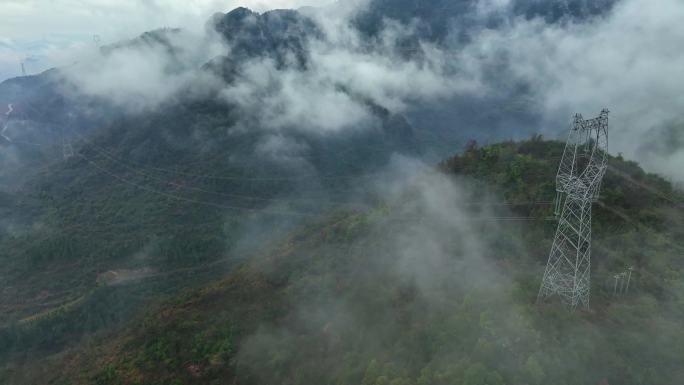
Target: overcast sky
{"points": [[41, 32]]}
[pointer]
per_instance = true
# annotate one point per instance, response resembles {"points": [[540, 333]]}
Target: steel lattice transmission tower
{"points": [[578, 183]]}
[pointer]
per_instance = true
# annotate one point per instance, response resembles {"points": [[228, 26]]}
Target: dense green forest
{"points": [[434, 284], [132, 201]]}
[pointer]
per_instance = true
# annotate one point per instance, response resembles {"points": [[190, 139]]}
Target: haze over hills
{"points": [[80, 96], [433, 286], [451, 73], [261, 202]]}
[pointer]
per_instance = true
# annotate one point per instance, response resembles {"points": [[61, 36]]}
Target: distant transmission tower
{"points": [[10, 109], [67, 149], [23, 69], [578, 183]]}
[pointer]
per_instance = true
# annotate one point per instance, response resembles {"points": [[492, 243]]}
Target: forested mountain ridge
{"points": [[354, 299], [272, 173], [149, 189], [183, 182]]}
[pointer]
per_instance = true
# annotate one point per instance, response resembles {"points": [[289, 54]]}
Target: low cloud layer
{"points": [[41, 30], [393, 274], [141, 74], [629, 62], [345, 77]]}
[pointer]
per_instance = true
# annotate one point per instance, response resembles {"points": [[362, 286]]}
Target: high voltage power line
{"points": [[143, 173], [139, 171], [219, 193], [66, 144], [611, 169], [188, 200], [293, 213], [231, 177], [267, 211]]}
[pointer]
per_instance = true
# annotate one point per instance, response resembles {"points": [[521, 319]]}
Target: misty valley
{"points": [[369, 192]]}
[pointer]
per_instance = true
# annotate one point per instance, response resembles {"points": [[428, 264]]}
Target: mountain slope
{"points": [[432, 287], [139, 199], [394, 277]]}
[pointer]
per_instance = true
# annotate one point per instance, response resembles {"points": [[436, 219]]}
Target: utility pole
{"points": [[623, 278], [67, 149], [629, 277], [578, 184], [617, 278]]}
